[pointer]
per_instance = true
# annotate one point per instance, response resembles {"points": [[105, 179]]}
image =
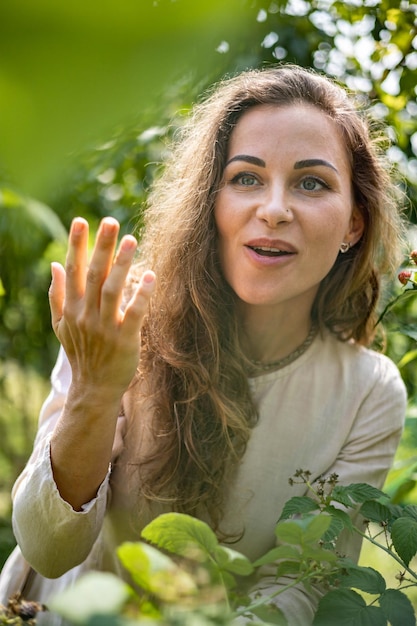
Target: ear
{"points": [[356, 227]]}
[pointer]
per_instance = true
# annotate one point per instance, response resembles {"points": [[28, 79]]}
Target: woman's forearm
{"points": [[81, 444]]}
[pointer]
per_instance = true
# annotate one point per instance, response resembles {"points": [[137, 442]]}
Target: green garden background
{"points": [[89, 94]]}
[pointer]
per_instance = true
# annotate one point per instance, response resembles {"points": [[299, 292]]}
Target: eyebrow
{"points": [[297, 166], [312, 162], [248, 158]]}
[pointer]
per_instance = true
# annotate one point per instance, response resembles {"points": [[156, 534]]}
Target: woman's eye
{"points": [[246, 180], [313, 184]]}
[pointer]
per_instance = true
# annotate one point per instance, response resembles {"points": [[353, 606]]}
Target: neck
{"points": [[269, 335]]}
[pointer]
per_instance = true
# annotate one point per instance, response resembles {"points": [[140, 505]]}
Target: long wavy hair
{"points": [[191, 357]]}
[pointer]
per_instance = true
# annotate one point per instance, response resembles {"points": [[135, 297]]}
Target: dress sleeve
{"points": [[53, 537], [365, 457]]}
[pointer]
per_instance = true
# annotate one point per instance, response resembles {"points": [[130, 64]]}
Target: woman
{"points": [[268, 234]]}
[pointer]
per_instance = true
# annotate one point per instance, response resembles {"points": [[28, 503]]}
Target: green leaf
{"points": [[317, 526], [233, 561], [364, 578], [333, 531], [356, 494], [397, 608], [288, 568], [290, 532], [297, 506], [181, 534], [94, 593], [142, 561], [340, 515], [156, 573], [375, 511], [344, 607], [404, 537], [281, 552], [409, 356], [410, 511], [229, 581], [397, 511], [319, 555], [306, 530]]}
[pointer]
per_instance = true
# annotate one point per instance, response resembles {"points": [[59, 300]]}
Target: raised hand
{"points": [[102, 342], [100, 339]]}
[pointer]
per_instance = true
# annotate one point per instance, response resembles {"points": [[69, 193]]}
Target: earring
{"points": [[344, 247]]}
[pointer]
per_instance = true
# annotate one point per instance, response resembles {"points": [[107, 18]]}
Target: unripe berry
{"points": [[413, 256]]}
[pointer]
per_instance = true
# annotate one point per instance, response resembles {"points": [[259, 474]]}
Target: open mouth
{"points": [[264, 251]]}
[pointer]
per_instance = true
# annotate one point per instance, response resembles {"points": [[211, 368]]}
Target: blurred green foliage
{"points": [[69, 71], [90, 92]]}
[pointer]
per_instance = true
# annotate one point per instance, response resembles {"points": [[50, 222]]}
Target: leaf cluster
{"points": [[397, 525], [180, 574]]}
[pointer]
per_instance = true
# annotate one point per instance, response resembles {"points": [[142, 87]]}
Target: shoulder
{"points": [[365, 368]]}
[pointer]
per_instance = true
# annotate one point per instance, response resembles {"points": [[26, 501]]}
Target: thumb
{"points": [[56, 294]]}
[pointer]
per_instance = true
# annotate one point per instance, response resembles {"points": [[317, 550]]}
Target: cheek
{"points": [[326, 239], [332, 224]]}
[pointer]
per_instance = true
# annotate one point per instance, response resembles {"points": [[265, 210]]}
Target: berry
{"points": [[404, 276]]}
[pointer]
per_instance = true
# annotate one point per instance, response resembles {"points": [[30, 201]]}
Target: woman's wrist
{"points": [[94, 399]]}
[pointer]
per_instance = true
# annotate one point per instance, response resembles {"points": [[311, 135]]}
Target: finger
{"points": [[76, 261], [138, 305], [56, 294], [101, 261], [112, 292]]}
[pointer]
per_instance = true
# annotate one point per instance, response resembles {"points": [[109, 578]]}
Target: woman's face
{"points": [[285, 205]]}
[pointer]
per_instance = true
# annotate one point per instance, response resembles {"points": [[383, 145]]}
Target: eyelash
{"points": [[315, 179], [237, 179]]}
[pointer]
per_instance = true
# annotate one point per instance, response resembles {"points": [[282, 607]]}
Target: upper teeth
{"points": [[265, 249]]}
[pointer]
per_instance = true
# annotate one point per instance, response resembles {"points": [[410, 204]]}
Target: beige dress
{"points": [[337, 408]]}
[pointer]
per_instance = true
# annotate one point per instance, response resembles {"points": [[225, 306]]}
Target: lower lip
{"points": [[268, 260]]}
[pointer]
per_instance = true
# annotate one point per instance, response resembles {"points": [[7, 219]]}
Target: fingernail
{"points": [[108, 226], [149, 277], [77, 226], [128, 243]]}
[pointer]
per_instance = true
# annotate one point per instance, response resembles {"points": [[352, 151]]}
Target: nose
{"points": [[275, 206]]}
